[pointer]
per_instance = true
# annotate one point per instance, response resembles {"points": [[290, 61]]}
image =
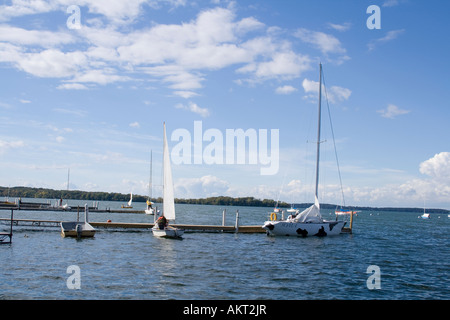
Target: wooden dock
{"points": [[130, 226]]}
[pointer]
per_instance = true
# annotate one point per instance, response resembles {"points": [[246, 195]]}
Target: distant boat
{"points": [[161, 227], [130, 202], [60, 206], [341, 212], [425, 215], [309, 222], [78, 229]]}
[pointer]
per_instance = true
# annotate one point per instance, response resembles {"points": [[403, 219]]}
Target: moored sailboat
{"points": [[161, 227], [309, 222]]}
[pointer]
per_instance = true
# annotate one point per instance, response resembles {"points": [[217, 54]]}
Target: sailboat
{"points": [[424, 215], [150, 210], [309, 222], [78, 229], [167, 231], [342, 212], [129, 203]]}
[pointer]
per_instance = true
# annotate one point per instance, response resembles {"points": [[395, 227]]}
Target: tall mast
{"points": [[318, 132], [68, 177], [151, 172]]}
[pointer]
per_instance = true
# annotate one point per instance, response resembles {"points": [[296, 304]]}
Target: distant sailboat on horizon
{"points": [[129, 203]]}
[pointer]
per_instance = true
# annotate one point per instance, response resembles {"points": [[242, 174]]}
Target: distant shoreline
{"points": [[44, 193]]}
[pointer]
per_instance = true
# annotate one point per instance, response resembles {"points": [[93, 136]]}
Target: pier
{"points": [[141, 226]]}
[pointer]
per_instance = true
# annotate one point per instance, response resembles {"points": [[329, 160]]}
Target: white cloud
{"points": [[51, 63], [72, 86], [340, 27], [135, 124], [334, 93], [285, 89], [329, 45], [180, 55], [185, 94], [437, 167], [390, 36], [326, 43], [206, 186], [204, 112], [7, 145], [390, 3], [392, 111], [41, 38]]}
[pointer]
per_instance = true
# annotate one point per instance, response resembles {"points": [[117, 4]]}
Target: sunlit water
{"points": [[413, 256]]}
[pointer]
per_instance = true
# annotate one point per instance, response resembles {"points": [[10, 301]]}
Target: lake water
{"points": [[412, 254]]}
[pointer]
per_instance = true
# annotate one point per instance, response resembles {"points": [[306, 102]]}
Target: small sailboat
{"points": [[342, 212], [161, 228], [78, 229], [150, 210], [130, 202], [424, 215], [309, 222]]}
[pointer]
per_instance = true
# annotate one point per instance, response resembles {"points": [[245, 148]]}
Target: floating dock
{"points": [[130, 225], [61, 209]]}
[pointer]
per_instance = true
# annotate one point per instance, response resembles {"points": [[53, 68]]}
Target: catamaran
{"points": [[309, 222]]}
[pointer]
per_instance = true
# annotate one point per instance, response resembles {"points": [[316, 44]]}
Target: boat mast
{"points": [[318, 132], [150, 187]]}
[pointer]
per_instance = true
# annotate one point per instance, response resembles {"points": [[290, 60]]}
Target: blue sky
{"points": [[92, 97]]}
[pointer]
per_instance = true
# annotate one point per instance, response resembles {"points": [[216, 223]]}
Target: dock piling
{"points": [[223, 216], [5, 235]]}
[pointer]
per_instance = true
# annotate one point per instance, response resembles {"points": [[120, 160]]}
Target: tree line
{"points": [[43, 193]]}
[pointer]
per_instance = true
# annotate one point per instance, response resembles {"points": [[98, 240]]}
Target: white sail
{"points": [[168, 195], [131, 199], [311, 214]]}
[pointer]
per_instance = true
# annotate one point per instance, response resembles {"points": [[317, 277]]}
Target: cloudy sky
{"points": [[86, 86]]}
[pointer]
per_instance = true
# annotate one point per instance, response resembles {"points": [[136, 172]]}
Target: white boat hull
{"points": [[300, 229], [77, 230], [167, 232]]}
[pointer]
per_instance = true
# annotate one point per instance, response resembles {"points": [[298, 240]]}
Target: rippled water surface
{"points": [[413, 256]]}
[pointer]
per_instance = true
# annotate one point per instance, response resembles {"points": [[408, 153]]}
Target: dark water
{"points": [[412, 254]]}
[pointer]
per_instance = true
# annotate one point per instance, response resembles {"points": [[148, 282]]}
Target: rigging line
{"points": [[334, 142]]}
